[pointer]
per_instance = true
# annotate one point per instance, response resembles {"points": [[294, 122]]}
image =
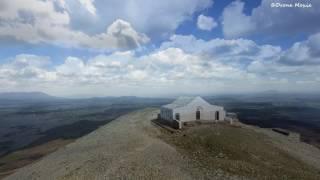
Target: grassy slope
{"points": [[238, 151]]}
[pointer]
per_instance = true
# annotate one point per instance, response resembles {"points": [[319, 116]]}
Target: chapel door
{"points": [[198, 115], [217, 115]]}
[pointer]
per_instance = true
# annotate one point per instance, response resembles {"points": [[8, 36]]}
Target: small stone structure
{"points": [[232, 118], [291, 135]]}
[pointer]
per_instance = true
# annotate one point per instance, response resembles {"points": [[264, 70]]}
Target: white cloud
{"points": [[155, 18], [72, 67], [236, 52], [96, 24], [138, 75], [174, 56], [269, 20], [26, 68], [303, 53], [162, 69], [88, 4], [234, 22], [178, 66], [24, 60], [41, 22], [206, 23]]}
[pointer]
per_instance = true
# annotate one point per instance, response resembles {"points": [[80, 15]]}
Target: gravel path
{"points": [[126, 148]]}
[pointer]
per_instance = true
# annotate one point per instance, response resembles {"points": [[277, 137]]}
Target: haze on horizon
{"points": [[147, 48]]}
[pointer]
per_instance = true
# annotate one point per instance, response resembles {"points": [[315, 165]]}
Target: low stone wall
{"points": [[198, 122], [164, 124], [179, 124], [291, 135]]}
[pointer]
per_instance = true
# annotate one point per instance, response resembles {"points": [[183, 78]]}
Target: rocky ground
{"points": [[305, 152], [242, 152], [123, 149], [131, 147], [13, 161]]}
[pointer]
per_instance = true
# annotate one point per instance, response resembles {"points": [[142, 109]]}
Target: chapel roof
{"points": [[180, 102]]}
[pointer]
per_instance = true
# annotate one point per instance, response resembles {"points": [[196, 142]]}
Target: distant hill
{"points": [[22, 96]]}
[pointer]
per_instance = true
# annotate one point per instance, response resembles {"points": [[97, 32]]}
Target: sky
{"points": [[87, 48]]}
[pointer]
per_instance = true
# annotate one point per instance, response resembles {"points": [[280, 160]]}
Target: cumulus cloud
{"points": [[236, 52], [26, 68], [206, 23], [303, 53], [179, 65], [299, 63], [42, 22], [96, 24], [270, 20], [263, 65], [235, 22], [155, 18], [161, 69], [89, 6]]}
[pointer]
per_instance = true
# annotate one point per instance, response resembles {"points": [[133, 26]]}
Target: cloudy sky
{"points": [[157, 48]]}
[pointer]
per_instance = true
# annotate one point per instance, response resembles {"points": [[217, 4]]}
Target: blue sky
{"points": [[148, 48]]}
